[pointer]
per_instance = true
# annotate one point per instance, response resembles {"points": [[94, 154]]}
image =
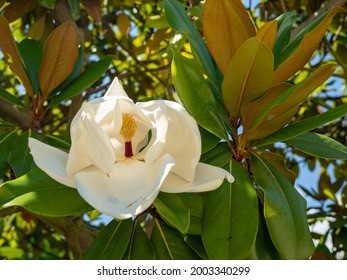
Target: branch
{"points": [[325, 8], [11, 113]]}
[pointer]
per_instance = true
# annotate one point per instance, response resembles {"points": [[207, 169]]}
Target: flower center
{"points": [[128, 130]]}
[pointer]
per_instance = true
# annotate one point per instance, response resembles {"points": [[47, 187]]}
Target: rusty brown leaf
{"points": [[59, 57]]}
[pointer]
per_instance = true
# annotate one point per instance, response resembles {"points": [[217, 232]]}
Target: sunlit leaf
{"points": [[277, 161], [112, 241], [38, 193], [226, 25], [220, 155], [230, 220], [197, 96], [284, 211], [123, 22], [285, 26], [248, 75], [59, 57], [10, 98], [280, 110], [11, 54], [169, 245], [305, 125], [178, 20], [298, 52], [267, 33], [49, 4], [319, 145]]}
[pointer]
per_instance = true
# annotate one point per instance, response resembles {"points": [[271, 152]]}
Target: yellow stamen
{"points": [[128, 127]]}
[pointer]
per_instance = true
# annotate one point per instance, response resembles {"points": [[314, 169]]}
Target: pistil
{"points": [[128, 130]]}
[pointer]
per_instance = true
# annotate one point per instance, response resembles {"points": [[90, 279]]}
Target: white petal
{"points": [[128, 190], [116, 89], [207, 178], [176, 133], [51, 160], [99, 147]]}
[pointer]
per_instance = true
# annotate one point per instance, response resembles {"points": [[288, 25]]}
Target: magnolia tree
{"points": [[169, 130]]}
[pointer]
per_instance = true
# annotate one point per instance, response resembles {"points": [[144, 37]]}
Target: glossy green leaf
{"points": [[197, 96], [40, 194], [219, 156], [173, 211], [230, 220], [284, 31], [20, 158], [305, 125], [140, 247], [318, 145], [208, 140], [10, 98], [83, 81], [226, 25], [248, 75], [195, 203], [112, 241], [49, 4], [31, 53], [178, 20], [284, 211], [169, 245], [263, 248], [299, 51]]}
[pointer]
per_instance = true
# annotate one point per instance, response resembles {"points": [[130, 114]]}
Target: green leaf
{"points": [[219, 156], [197, 96], [75, 9], [6, 140], [31, 53], [10, 98], [173, 211], [20, 158], [230, 220], [140, 247], [318, 145], [83, 81], [58, 141], [38, 193], [49, 4], [208, 140], [112, 241], [264, 248], [300, 127], [195, 242], [284, 211], [169, 245], [284, 31], [178, 20]]}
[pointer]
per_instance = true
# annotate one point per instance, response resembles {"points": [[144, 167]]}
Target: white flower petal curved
{"points": [[51, 160], [128, 190], [176, 133], [207, 178]]}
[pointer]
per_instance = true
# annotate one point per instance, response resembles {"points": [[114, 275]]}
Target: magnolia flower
{"points": [[122, 154]]}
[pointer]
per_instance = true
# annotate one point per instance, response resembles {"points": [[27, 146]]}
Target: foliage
{"points": [[256, 79]]}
